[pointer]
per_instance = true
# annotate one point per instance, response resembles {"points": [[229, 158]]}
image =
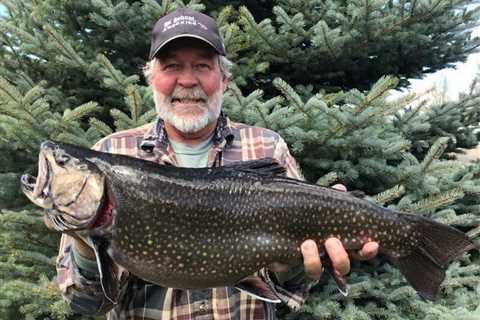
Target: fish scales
{"points": [[210, 227], [245, 208]]}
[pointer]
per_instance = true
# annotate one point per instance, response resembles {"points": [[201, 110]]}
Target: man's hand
{"points": [[337, 254], [335, 251], [81, 246]]}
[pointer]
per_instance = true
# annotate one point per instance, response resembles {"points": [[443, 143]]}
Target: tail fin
{"points": [[439, 244]]}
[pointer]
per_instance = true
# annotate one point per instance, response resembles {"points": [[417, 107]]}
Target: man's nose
{"points": [[187, 78]]}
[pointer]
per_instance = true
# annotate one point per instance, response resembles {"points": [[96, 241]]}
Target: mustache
{"points": [[195, 93]]}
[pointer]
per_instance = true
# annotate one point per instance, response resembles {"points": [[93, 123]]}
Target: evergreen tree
{"points": [[72, 71]]}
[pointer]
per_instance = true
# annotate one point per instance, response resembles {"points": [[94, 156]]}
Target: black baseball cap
{"points": [[185, 22]]}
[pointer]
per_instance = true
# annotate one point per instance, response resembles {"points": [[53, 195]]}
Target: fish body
{"points": [[211, 227]]}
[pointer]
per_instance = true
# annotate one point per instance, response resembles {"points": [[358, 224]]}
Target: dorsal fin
{"points": [[265, 166]]}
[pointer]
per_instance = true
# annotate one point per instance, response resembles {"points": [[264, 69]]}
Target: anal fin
{"points": [[341, 281], [257, 288]]}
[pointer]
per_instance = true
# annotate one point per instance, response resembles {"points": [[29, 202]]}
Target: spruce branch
{"points": [[474, 233], [8, 92], [410, 113], [122, 120], [134, 101], [327, 179], [155, 8], [80, 111], [263, 116], [250, 21], [33, 95], [380, 89], [7, 29], [435, 151], [413, 6], [444, 166], [366, 22], [12, 48], [65, 48], [464, 220], [324, 38], [114, 78], [389, 195], [74, 139], [40, 108], [148, 116], [193, 4], [110, 10], [291, 96], [436, 201], [397, 147], [285, 18], [100, 127]]}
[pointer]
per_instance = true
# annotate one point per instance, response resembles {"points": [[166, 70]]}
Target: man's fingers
{"points": [[368, 251], [278, 267], [338, 255], [311, 259], [339, 187]]}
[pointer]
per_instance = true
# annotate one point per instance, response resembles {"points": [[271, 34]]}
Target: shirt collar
{"points": [[156, 137]]}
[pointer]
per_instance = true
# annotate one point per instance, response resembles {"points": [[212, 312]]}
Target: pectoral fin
{"points": [[105, 267], [257, 288]]}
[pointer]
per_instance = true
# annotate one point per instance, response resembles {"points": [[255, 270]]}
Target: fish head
{"points": [[67, 185]]}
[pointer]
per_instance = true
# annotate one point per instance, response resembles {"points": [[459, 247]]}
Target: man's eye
{"points": [[203, 66], [172, 66]]}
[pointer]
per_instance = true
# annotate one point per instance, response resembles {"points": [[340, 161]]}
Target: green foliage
{"points": [[72, 71], [349, 44]]}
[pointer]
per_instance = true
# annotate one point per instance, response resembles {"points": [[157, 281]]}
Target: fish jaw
{"points": [[67, 185], [36, 188]]}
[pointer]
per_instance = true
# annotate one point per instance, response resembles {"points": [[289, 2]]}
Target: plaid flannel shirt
{"points": [[142, 300]]}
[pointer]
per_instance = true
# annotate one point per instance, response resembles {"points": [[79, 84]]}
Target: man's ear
{"points": [[225, 82]]}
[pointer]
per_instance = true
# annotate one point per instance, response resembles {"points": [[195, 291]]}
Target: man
{"points": [[188, 73]]}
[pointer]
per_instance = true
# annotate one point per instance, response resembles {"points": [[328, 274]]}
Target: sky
{"points": [[457, 80]]}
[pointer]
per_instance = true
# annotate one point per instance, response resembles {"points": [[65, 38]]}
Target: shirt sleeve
{"points": [[79, 279], [282, 154], [292, 286]]}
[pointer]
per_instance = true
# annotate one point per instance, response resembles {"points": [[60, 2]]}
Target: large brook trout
{"points": [[211, 227]]}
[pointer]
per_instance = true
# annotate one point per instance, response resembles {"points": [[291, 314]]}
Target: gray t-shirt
{"points": [[192, 156]]}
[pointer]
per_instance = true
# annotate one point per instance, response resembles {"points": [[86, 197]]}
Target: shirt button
{"points": [[203, 307]]}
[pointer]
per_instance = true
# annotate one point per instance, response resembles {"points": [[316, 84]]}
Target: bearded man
{"points": [[188, 73]]}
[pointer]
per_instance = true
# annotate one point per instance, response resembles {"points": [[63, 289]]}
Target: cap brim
{"points": [[185, 35]]}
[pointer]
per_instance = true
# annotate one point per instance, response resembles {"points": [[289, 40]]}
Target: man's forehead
{"points": [[187, 45]]}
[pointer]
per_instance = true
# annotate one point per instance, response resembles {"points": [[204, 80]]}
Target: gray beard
{"points": [[210, 111]]}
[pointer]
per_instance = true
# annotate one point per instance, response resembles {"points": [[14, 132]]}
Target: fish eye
{"points": [[62, 159]]}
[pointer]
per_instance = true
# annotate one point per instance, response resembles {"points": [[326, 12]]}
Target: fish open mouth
{"points": [[36, 188], [28, 182]]}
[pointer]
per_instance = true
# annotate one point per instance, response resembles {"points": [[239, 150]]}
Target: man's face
{"points": [[188, 85]]}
